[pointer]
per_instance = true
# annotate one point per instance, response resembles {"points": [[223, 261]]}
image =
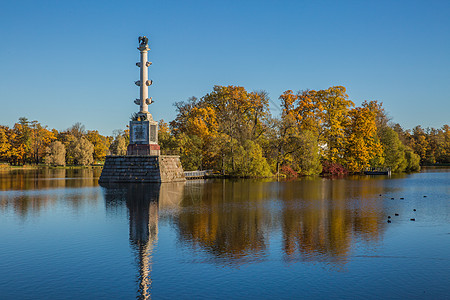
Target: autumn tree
{"points": [[82, 151], [167, 140], [443, 140], [56, 154], [403, 135], [41, 139], [363, 147], [336, 106], [21, 142], [77, 130], [295, 147], [420, 144], [79, 150], [118, 146], [324, 114], [202, 123], [5, 144], [190, 132], [382, 119], [27, 141], [319, 116], [101, 144], [120, 142], [240, 114], [210, 129], [280, 142], [309, 111], [183, 109]]}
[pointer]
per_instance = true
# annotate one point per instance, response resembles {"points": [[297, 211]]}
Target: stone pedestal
{"points": [[145, 168]]}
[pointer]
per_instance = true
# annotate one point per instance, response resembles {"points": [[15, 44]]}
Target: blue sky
{"points": [[63, 62]]}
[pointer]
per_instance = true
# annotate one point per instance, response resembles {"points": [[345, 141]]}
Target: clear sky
{"points": [[63, 62]]}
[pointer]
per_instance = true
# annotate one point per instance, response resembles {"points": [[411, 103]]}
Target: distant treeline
{"points": [[28, 142], [232, 131]]}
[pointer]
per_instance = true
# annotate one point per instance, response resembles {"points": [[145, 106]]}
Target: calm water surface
{"points": [[64, 237]]}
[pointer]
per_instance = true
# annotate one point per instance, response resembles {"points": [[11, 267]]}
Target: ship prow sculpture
{"points": [[143, 162]]}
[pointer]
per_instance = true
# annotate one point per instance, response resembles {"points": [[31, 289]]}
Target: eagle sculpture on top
{"points": [[143, 41]]}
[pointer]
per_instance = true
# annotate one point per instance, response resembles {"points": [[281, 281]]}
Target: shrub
{"points": [[330, 168], [288, 171]]}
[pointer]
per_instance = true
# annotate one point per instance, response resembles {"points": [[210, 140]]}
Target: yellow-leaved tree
{"points": [[101, 144], [336, 107], [5, 145], [362, 143]]}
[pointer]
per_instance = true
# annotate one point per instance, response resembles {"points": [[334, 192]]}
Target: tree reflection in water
{"points": [[319, 219], [233, 222], [226, 218], [48, 178], [22, 190]]}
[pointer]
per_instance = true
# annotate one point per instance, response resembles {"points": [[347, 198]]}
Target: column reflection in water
{"points": [[143, 202]]}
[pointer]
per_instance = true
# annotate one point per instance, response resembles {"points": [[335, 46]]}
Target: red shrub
{"points": [[286, 170], [330, 168]]}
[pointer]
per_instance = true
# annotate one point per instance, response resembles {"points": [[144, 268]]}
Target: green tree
{"points": [[307, 158], [412, 159], [393, 150], [190, 151], [248, 161]]}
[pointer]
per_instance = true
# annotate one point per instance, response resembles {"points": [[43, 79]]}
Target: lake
{"points": [[65, 237]]}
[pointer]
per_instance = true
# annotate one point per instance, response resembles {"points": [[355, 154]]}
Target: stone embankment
{"points": [[143, 168]]}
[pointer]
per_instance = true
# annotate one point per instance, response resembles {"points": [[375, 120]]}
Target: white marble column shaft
{"points": [[143, 79]]}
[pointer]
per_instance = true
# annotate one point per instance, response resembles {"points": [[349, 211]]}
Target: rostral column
{"points": [[143, 129]]}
